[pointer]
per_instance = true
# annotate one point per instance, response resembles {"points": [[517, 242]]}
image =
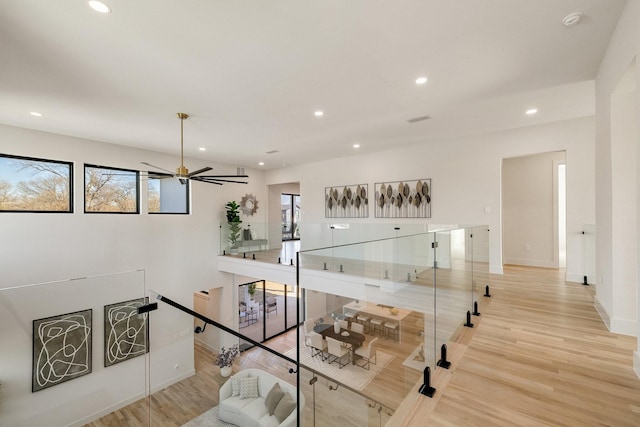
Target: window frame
{"points": [[150, 176], [70, 166], [137, 189]]}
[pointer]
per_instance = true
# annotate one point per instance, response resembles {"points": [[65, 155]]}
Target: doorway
{"points": [[562, 215], [534, 210], [290, 207]]}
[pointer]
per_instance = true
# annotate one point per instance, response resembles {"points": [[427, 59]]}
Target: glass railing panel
{"points": [[341, 231], [67, 355], [454, 282], [381, 346], [385, 296], [257, 241], [245, 236], [329, 403], [480, 261], [398, 259], [194, 377]]}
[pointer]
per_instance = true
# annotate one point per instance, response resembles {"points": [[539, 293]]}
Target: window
{"points": [[110, 190], [290, 216], [168, 195], [35, 185]]}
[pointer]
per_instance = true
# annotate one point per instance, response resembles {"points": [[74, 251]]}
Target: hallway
{"points": [[538, 355]]}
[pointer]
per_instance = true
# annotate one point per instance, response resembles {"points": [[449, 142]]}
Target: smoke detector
{"points": [[572, 19]]}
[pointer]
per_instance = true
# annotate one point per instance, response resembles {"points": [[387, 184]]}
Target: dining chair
{"points": [[308, 330], [368, 354], [335, 349], [357, 327], [319, 344]]}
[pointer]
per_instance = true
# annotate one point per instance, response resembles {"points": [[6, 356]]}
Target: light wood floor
{"points": [[539, 355]]}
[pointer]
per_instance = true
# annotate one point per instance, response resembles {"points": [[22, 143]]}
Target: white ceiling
{"points": [[251, 73]]}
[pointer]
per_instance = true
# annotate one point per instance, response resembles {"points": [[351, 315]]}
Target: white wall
{"points": [[612, 156], [466, 179], [529, 192], [611, 295], [177, 252]]}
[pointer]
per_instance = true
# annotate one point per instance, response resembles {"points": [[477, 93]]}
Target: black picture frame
{"points": [[126, 333], [62, 348]]}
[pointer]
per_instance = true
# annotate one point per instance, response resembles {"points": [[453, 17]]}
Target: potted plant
{"points": [[251, 289], [225, 359], [233, 219]]}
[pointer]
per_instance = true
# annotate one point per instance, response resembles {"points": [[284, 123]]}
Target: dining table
{"points": [[354, 339]]}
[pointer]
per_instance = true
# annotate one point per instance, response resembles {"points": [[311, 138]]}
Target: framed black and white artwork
{"points": [[126, 333], [347, 201], [403, 199], [61, 348]]}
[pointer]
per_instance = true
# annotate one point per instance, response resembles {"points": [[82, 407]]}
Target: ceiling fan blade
{"points": [[183, 181], [159, 175], [198, 178], [199, 171], [214, 180], [157, 167]]}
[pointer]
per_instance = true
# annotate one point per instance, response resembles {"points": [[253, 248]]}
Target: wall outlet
{"points": [[527, 246]]}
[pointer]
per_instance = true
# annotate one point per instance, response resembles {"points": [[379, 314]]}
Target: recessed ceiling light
{"points": [[572, 19], [35, 113], [98, 6], [261, 163], [202, 149], [356, 145], [319, 113], [531, 111], [421, 80]]}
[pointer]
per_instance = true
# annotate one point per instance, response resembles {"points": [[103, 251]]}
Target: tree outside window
{"points": [[110, 190], [35, 185]]}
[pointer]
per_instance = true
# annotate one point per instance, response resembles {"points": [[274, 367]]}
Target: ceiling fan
{"points": [[183, 174]]}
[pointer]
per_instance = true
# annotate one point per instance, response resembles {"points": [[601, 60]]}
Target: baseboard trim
{"points": [[602, 312], [530, 262], [636, 363], [496, 269], [130, 400], [624, 327]]}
